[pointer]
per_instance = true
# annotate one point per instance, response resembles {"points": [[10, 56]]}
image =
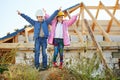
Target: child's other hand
{"points": [[18, 12], [44, 10], [60, 8]]}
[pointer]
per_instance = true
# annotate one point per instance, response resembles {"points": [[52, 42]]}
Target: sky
{"points": [[10, 20]]}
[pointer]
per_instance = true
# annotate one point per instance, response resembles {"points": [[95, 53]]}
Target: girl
{"points": [[59, 36]]}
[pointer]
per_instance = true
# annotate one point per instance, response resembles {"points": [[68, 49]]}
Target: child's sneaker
{"points": [[61, 65], [55, 64]]}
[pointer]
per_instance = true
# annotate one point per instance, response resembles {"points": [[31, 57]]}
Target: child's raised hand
{"points": [[18, 12], [60, 8], [44, 10]]}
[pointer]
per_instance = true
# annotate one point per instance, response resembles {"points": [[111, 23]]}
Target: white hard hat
{"points": [[39, 13]]}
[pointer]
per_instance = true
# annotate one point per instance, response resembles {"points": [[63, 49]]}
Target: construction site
{"points": [[88, 37]]}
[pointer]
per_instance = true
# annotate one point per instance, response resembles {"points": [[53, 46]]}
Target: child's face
{"points": [[40, 18], [60, 18]]}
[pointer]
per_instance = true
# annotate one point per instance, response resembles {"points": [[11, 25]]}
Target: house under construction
{"points": [[87, 35]]}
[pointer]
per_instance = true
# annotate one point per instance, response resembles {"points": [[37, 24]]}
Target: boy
{"points": [[40, 35]]}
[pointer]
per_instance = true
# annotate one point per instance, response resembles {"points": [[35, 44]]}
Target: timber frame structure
{"points": [[82, 27]]}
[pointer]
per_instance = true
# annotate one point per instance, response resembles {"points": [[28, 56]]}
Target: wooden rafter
{"points": [[108, 7], [71, 10], [78, 21], [75, 29], [111, 15], [110, 22], [4, 40], [93, 24], [100, 53], [96, 44], [79, 34], [95, 21], [82, 21]]}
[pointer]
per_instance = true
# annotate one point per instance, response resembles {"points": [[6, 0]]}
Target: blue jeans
{"points": [[40, 41], [58, 48]]}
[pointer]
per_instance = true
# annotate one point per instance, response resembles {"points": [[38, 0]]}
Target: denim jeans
{"points": [[40, 42], [58, 48]]}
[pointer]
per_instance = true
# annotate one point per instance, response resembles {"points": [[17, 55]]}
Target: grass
{"points": [[89, 69], [21, 72], [11, 71], [6, 59], [82, 68]]}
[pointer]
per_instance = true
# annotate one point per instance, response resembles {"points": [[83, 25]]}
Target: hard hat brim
{"points": [[59, 15]]}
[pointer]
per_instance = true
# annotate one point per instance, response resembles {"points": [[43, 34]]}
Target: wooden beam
{"points": [[78, 21], [79, 34], [4, 40], [73, 45], [30, 30], [75, 28], [108, 7], [13, 40], [26, 35], [100, 53], [16, 38], [82, 21], [110, 22], [93, 24], [68, 14], [71, 10], [100, 28], [117, 22], [96, 32]]}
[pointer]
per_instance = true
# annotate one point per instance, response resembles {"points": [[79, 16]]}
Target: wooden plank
{"points": [[72, 45], [110, 22], [78, 21], [75, 28], [78, 33], [26, 35], [31, 30], [100, 28], [100, 53], [4, 40], [16, 38], [89, 7], [108, 7], [68, 14], [83, 25], [13, 40], [93, 24], [72, 9], [97, 33], [117, 29], [75, 50], [92, 7]]}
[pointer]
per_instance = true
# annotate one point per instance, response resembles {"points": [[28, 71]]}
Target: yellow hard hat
{"points": [[60, 13]]}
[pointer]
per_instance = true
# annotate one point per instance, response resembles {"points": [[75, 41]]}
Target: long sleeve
{"points": [[49, 20], [72, 20], [46, 16], [27, 18]]}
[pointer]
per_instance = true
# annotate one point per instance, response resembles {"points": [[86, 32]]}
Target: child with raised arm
{"points": [[40, 35], [59, 36]]}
